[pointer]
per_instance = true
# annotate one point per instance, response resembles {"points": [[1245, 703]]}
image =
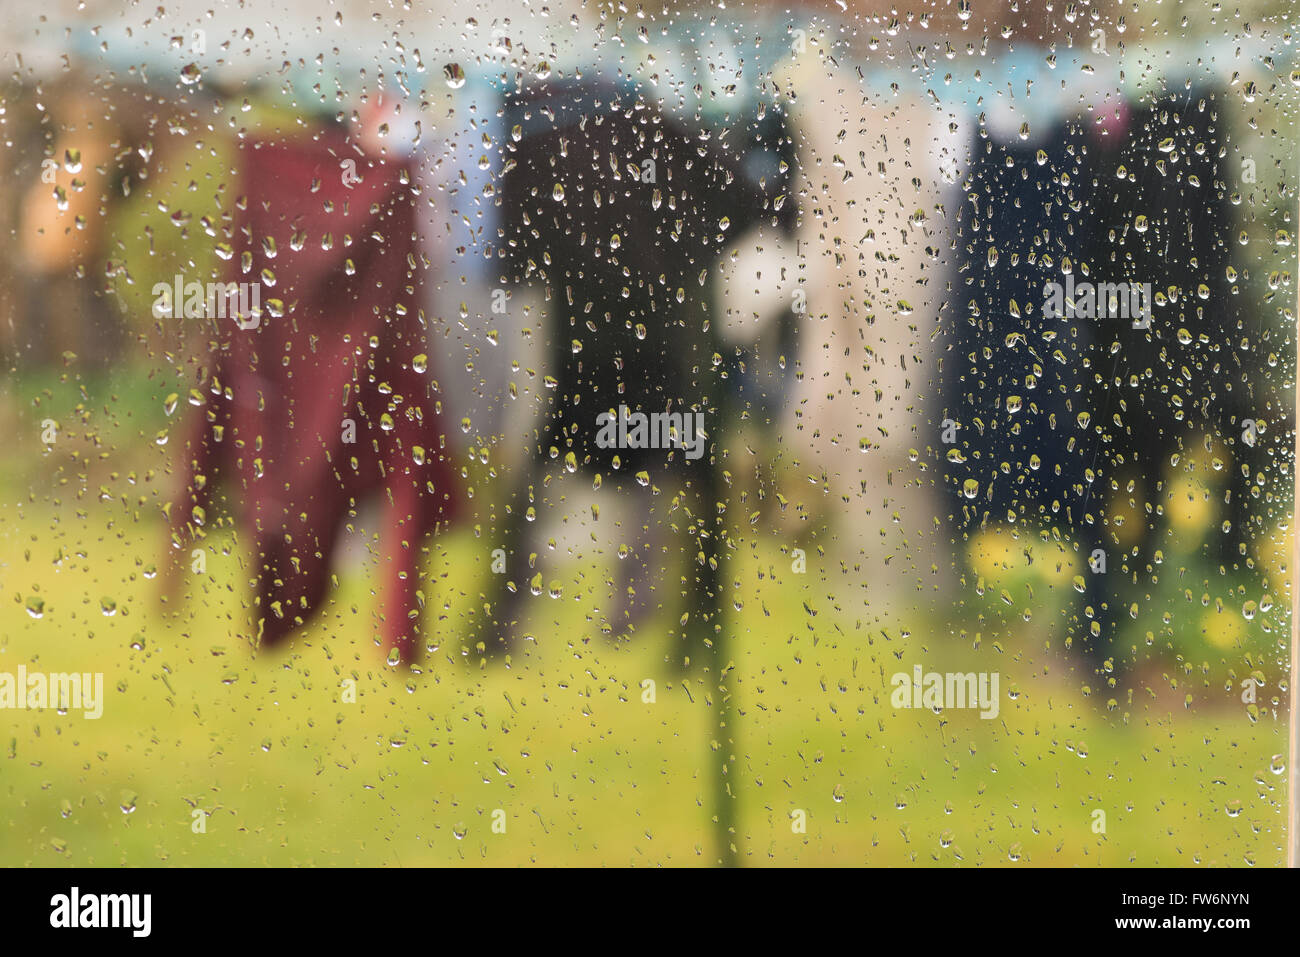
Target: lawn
{"points": [[561, 740]]}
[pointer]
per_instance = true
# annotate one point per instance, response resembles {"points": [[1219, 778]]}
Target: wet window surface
{"points": [[647, 434]]}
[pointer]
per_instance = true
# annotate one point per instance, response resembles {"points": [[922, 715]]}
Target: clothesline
{"points": [[706, 69]]}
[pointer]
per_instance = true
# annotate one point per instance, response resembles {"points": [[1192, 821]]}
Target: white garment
{"points": [[876, 209]]}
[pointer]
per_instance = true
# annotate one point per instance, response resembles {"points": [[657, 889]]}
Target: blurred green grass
{"points": [[559, 738], [561, 741]]}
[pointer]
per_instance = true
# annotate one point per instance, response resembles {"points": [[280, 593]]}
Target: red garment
{"points": [[343, 350]]}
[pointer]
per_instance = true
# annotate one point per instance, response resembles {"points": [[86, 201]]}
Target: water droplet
{"points": [[454, 75]]}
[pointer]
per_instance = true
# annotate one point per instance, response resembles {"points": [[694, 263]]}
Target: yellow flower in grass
{"points": [[1277, 558], [998, 555], [1225, 629], [1190, 506], [992, 551]]}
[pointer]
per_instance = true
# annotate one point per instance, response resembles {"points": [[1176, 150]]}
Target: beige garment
{"points": [[62, 210], [873, 257]]}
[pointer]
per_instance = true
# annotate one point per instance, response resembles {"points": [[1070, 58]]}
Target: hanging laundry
{"points": [[327, 397], [619, 210], [1088, 262]]}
